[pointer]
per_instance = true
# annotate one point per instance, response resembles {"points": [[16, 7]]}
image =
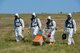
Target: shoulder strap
{"points": [[52, 22], [37, 22], [20, 22]]}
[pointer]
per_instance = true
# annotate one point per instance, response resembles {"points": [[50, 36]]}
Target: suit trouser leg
{"points": [[20, 32], [34, 31], [70, 36], [17, 35], [52, 39]]}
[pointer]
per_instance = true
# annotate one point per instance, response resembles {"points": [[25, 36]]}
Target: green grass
{"points": [[9, 45]]}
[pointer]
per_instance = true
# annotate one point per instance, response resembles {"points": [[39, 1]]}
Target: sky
{"points": [[39, 6]]}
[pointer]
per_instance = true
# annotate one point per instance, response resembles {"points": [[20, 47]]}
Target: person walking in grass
{"points": [[35, 25], [19, 27], [51, 27], [70, 28]]}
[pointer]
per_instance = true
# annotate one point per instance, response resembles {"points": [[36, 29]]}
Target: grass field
{"points": [[9, 45]]}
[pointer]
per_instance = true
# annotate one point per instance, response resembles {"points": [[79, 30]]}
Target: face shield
{"points": [[33, 16], [49, 18], [69, 17], [17, 15]]}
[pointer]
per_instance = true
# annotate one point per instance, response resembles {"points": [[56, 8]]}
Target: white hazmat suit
{"points": [[35, 25], [18, 26], [51, 26], [70, 28]]}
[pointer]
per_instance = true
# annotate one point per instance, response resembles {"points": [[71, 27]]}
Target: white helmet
{"points": [[34, 14], [49, 17], [17, 14], [70, 14]]}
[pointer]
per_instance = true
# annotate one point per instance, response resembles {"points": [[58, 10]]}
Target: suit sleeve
{"points": [[30, 25], [74, 23], [39, 22], [54, 23], [22, 21]]}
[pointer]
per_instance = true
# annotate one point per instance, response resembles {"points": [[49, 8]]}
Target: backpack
{"points": [[18, 22], [49, 24], [34, 23], [69, 24]]}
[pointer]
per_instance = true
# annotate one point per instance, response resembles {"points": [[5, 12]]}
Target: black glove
{"points": [[63, 36]]}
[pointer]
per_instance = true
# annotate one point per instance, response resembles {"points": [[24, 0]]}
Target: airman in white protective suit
{"points": [[35, 25], [19, 27], [70, 28], [51, 26]]}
